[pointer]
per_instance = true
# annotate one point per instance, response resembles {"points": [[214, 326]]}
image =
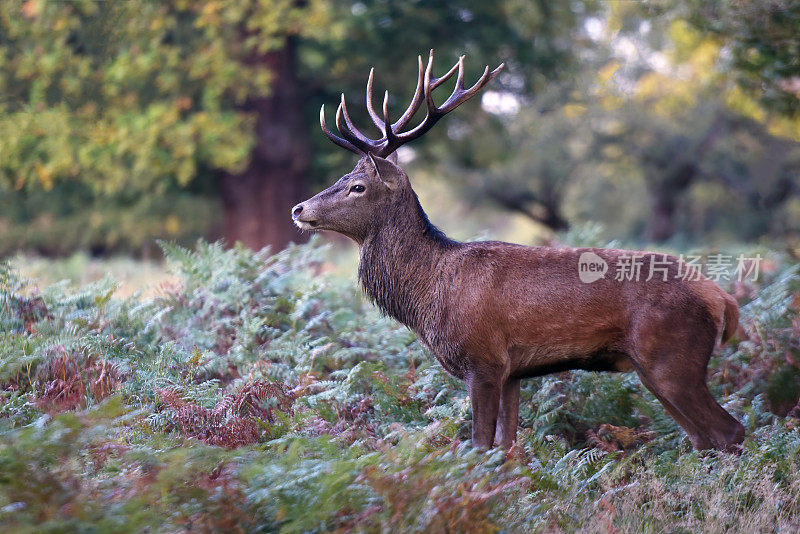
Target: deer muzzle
{"points": [[304, 217]]}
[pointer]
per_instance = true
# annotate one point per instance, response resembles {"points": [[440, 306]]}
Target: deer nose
{"points": [[297, 210]]}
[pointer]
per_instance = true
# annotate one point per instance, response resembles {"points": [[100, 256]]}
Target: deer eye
{"points": [[358, 188]]}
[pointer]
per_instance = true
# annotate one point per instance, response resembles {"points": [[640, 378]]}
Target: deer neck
{"points": [[400, 263]]}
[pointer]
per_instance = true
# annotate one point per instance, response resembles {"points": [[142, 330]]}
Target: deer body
{"points": [[494, 313]]}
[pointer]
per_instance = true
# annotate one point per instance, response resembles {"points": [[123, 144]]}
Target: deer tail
{"points": [[730, 317]]}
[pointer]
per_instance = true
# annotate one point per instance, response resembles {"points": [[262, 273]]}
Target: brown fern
{"points": [[236, 420], [610, 438], [66, 380]]}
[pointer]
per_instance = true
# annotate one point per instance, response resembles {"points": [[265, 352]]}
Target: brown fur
{"points": [[731, 318], [493, 313]]}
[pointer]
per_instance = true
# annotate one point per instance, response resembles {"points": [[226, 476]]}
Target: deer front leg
{"points": [[508, 418], [484, 392]]}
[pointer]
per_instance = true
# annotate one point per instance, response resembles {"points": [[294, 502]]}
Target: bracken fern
{"points": [[262, 393]]}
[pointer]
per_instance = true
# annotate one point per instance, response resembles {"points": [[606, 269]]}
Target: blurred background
{"points": [[658, 123]]}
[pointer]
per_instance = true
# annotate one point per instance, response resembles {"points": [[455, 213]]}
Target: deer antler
{"points": [[393, 137]]}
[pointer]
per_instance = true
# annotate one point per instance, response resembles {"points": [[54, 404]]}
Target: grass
{"points": [[258, 393], [132, 277]]}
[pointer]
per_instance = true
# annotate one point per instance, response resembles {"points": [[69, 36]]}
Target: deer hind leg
{"points": [[676, 375], [696, 435], [508, 418]]}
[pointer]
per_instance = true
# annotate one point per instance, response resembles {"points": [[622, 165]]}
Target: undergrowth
{"points": [[262, 393]]}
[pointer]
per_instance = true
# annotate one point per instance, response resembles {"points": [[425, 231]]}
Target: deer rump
{"points": [[493, 313]]}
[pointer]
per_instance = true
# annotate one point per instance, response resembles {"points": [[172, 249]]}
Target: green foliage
{"points": [[118, 119], [125, 95], [262, 393], [71, 217], [763, 40], [110, 109]]}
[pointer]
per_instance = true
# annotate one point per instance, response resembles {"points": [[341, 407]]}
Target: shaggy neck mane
{"points": [[399, 262]]}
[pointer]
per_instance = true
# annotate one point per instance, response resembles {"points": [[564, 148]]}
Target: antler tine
{"points": [[415, 101], [433, 115], [392, 143], [349, 131], [333, 137], [370, 108], [460, 95], [429, 89], [460, 77], [412, 108], [436, 82]]}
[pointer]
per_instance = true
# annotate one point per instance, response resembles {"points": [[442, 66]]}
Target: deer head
{"points": [[365, 198], [358, 202]]}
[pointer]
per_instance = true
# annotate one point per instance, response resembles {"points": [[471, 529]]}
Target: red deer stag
{"points": [[494, 313]]}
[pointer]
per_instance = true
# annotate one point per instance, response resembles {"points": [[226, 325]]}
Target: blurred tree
{"points": [[669, 110], [762, 38], [703, 129], [646, 105], [107, 224], [670, 152], [705, 144], [136, 96], [544, 149]]}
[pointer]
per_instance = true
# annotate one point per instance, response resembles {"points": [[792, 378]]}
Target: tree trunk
{"points": [[664, 201], [258, 201], [662, 218], [671, 183]]}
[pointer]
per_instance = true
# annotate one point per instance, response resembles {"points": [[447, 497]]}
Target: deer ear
{"points": [[387, 171]]}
